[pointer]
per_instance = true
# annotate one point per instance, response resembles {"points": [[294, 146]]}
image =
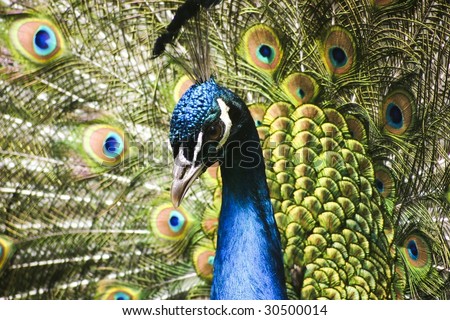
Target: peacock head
{"points": [[204, 121]]}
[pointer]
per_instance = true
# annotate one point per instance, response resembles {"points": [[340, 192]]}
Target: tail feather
{"points": [[85, 210]]}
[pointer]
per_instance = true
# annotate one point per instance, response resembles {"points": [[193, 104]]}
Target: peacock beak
{"points": [[184, 174]]}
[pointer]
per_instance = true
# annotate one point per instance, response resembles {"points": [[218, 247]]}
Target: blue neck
{"points": [[248, 262]]}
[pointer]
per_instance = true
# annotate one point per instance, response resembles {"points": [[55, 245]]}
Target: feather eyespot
{"points": [[397, 112], [300, 88], [105, 144], [261, 48], [38, 40], [384, 182], [204, 262], [339, 51], [417, 252], [170, 223], [113, 290]]}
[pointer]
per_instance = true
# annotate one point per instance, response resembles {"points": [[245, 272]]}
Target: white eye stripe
{"points": [[225, 117], [198, 146]]}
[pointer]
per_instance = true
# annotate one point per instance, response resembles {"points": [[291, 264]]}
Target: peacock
{"points": [[224, 149]]}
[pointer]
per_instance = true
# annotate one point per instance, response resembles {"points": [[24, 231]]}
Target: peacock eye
{"points": [[38, 40], [262, 48], [397, 112], [105, 144], [300, 88], [112, 290], [339, 51], [170, 223], [417, 252], [214, 132], [204, 262]]}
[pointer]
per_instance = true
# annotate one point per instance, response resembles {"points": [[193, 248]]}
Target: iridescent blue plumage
{"points": [[214, 118], [197, 107]]}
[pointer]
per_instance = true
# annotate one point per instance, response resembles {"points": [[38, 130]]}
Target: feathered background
{"points": [[86, 167]]}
